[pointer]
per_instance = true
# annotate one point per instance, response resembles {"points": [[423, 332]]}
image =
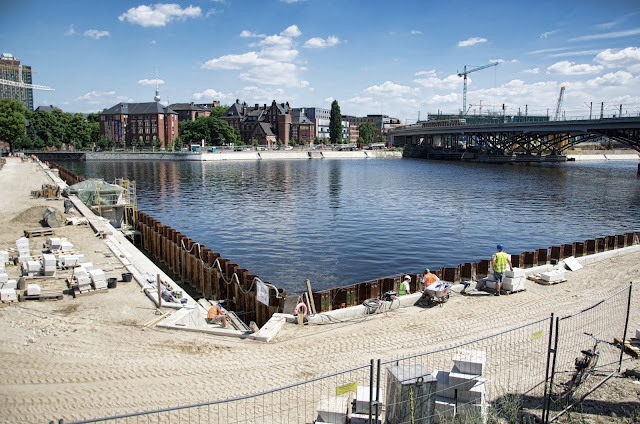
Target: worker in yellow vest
{"points": [[404, 286], [499, 263]]}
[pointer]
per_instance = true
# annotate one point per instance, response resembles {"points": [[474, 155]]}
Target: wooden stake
{"points": [[159, 293], [310, 298]]}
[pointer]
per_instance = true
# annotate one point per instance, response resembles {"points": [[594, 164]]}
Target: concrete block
{"points": [[2, 267], [443, 387], [637, 333], [572, 263], [80, 273], [333, 409], [460, 381], [100, 284], [8, 295], [24, 258], [445, 409], [513, 284], [553, 276], [49, 264], [96, 275], [66, 246], [87, 265], [33, 289], [4, 257], [489, 283], [468, 361], [517, 272], [54, 243], [3, 277], [84, 284], [11, 284], [474, 395], [31, 268], [360, 404], [22, 243]]}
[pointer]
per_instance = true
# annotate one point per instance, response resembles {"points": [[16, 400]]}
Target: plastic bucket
{"points": [[127, 276], [112, 283]]}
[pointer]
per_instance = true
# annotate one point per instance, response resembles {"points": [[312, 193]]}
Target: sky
{"points": [[400, 59]]}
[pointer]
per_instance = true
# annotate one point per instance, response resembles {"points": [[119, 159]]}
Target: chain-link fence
{"points": [[516, 375]]}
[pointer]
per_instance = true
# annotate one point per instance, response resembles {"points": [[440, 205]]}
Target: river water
{"points": [[339, 222]]}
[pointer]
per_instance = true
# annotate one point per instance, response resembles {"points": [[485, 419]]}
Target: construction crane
{"points": [[20, 83], [464, 74], [556, 117]]}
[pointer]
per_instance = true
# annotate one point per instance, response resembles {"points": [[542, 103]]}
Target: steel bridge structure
{"points": [[513, 141]]}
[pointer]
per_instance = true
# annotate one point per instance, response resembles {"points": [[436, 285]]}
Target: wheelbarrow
{"points": [[436, 293]]}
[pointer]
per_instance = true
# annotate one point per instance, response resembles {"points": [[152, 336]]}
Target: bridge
{"points": [[513, 141]]}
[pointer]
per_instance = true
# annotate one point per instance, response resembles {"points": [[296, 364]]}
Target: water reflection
{"points": [[337, 222]]}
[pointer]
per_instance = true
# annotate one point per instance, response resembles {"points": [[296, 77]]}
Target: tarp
{"points": [[90, 191]]}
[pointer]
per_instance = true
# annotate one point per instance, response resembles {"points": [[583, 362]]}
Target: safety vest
{"points": [[213, 312], [404, 286], [500, 264]]}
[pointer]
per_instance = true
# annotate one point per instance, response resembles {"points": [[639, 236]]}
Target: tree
{"points": [[93, 118], [368, 132], [381, 139], [220, 132], [12, 126], [218, 111], [293, 142], [255, 143], [279, 142], [192, 132], [140, 143], [78, 131], [335, 123]]}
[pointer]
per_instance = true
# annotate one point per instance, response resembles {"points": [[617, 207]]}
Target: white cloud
{"points": [[576, 53], [431, 73], [70, 31], [96, 34], [503, 61], [471, 41], [542, 51], [261, 95], [416, 32], [271, 65], [532, 71], [447, 98], [620, 78], [211, 94], [248, 34], [569, 68], [147, 81], [606, 25], [292, 1], [292, 31], [106, 98], [544, 35], [318, 43], [153, 42], [448, 83], [329, 99], [391, 89], [159, 14], [606, 35], [626, 58]]}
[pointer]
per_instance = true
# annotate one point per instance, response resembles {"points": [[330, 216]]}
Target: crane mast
{"points": [[559, 106], [464, 74]]}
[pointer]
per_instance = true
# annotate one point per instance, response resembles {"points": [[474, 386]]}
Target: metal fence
{"points": [[512, 375]]}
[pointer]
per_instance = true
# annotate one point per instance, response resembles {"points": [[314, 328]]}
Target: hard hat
{"points": [[406, 277], [426, 270], [500, 246]]}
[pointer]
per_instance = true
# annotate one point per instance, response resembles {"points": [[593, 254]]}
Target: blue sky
{"points": [[397, 58]]}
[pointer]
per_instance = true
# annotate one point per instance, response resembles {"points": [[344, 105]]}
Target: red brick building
{"points": [[127, 123]]}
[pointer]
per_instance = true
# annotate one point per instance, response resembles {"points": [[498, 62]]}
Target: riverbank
{"points": [[93, 356]]}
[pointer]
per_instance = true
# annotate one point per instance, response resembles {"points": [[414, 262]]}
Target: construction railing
{"points": [[513, 375]]}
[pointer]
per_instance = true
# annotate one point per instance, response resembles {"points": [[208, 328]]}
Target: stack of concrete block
{"points": [[462, 392], [553, 276], [98, 279], [8, 295], [66, 246], [87, 265], [22, 244], [49, 263], [4, 257], [81, 276], [68, 261], [514, 280], [31, 268]]}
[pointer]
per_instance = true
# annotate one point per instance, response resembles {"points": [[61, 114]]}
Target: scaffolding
{"points": [[130, 203]]}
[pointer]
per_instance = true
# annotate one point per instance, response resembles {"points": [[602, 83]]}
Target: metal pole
{"points": [[378, 392], [601, 110], [371, 391], [546, 398], [590, 108], [545, 419], [159, 292], [626, 326]]}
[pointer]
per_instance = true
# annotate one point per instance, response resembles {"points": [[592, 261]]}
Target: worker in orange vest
{"points": [[215, 315]]}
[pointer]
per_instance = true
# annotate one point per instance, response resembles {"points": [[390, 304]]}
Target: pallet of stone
{"points": [[631, 345], [39, 232], [536, 278], [502, 291], [78, 293]]}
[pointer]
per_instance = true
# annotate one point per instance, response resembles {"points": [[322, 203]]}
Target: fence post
{"points": [[545, 419], [378, 391], [370, 391], [546, 398], [626, 326]]}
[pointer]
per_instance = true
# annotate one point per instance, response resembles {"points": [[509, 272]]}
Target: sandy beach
{"points": [[90, 356]]}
